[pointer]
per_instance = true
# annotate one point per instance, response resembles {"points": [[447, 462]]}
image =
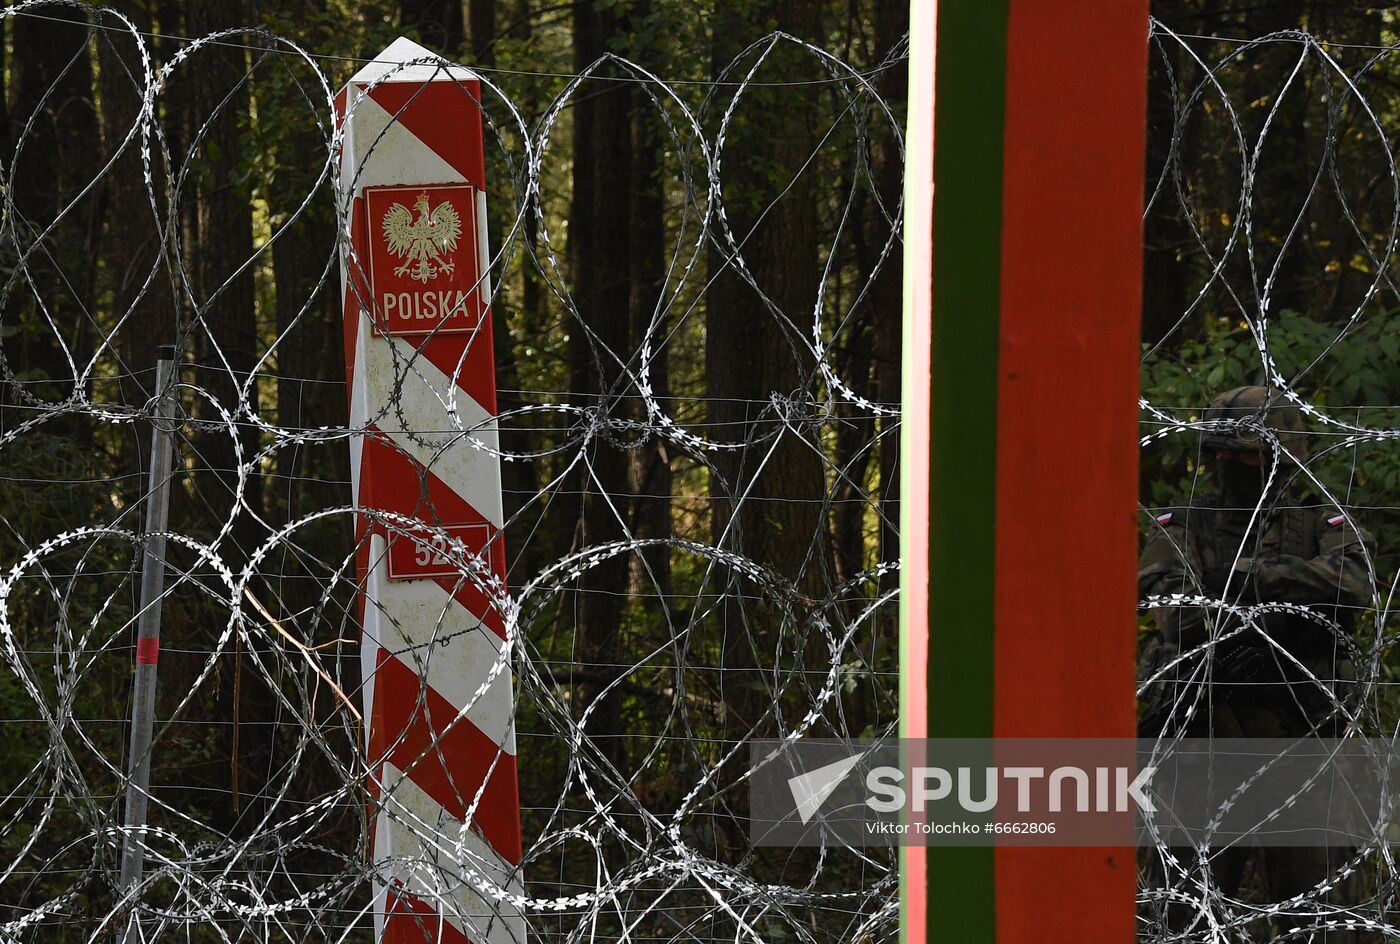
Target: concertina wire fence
{"points": [[1270, 238], [632, 747], [633, 830]]}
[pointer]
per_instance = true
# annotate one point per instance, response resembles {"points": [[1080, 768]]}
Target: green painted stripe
{"points": [[970, 94]]}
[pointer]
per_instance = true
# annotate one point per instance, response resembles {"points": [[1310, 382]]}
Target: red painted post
{"points": [[1067, 444], [1023, 254], [426, 476]]}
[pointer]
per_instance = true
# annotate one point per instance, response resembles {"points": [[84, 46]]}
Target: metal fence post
{"points": [[148, 628]]}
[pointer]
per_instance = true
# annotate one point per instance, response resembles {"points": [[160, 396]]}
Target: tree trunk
{"points": [[132, 248], [438, 24], [1169, 248], [892, 22], [599, 249], [650, 574], [763, 508], [851, 457], [481, 31], [519, 478], [51, 85], [764, 497], [226, 338], [309, 354]]}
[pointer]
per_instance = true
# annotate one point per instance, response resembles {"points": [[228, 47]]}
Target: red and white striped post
{"points": [[437, 682]]}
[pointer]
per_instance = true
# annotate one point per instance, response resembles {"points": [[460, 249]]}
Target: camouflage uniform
{"points": [[1309, 555], [1244, 546]]}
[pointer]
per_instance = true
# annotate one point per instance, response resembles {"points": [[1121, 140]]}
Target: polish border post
{"points": [[439, 708]]}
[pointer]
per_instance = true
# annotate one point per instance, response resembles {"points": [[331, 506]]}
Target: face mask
{"points": [[1241, 485]]}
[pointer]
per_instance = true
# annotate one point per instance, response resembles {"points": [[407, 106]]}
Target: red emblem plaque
{"points": [[423, 259], [424, 554]]}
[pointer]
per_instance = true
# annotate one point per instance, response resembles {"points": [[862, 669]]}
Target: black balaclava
{"points": [[1241, 484]]}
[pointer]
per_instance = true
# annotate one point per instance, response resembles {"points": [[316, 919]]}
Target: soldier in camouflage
{"points": [[1253, 542], [1244, 546]]}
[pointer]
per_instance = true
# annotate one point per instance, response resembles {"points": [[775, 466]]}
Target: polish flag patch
{"points": [[1336, 520], [1166, 518]]}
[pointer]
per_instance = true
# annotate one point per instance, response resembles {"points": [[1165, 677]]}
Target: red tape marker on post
{"points": [[147, 651]]}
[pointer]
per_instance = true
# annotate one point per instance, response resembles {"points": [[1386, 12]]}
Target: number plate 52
{"points": [[426, 553]]}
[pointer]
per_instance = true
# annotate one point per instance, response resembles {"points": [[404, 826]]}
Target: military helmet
{"points": [[1254, 407]]}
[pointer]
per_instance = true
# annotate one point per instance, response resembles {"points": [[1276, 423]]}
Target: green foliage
{"points": [[1351, 371], [86, 471]]}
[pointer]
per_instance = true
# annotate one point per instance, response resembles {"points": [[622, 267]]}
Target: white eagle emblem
{"points": [[423, 241]]}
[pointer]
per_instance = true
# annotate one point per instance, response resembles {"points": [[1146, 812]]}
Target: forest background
{"points": [[1270, 218], [670, 657], [810, 181]]}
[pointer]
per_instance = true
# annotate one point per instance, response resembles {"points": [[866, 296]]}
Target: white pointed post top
{"points": [[390, 63]]}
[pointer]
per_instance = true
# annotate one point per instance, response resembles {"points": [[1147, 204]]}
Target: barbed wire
{"points": [[634, 821], [478, 68], [265, 796], [1282, 279]]}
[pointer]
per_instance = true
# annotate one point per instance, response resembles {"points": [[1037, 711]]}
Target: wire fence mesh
{"points": [[696, 292], [1270, 233], [695, 284]]}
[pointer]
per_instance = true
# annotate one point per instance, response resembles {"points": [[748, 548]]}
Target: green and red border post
{"points": [[1023, 254]]}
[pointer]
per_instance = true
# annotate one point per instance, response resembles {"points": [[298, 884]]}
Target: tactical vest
{"points": [[1218, 535], [1284, 697]]}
